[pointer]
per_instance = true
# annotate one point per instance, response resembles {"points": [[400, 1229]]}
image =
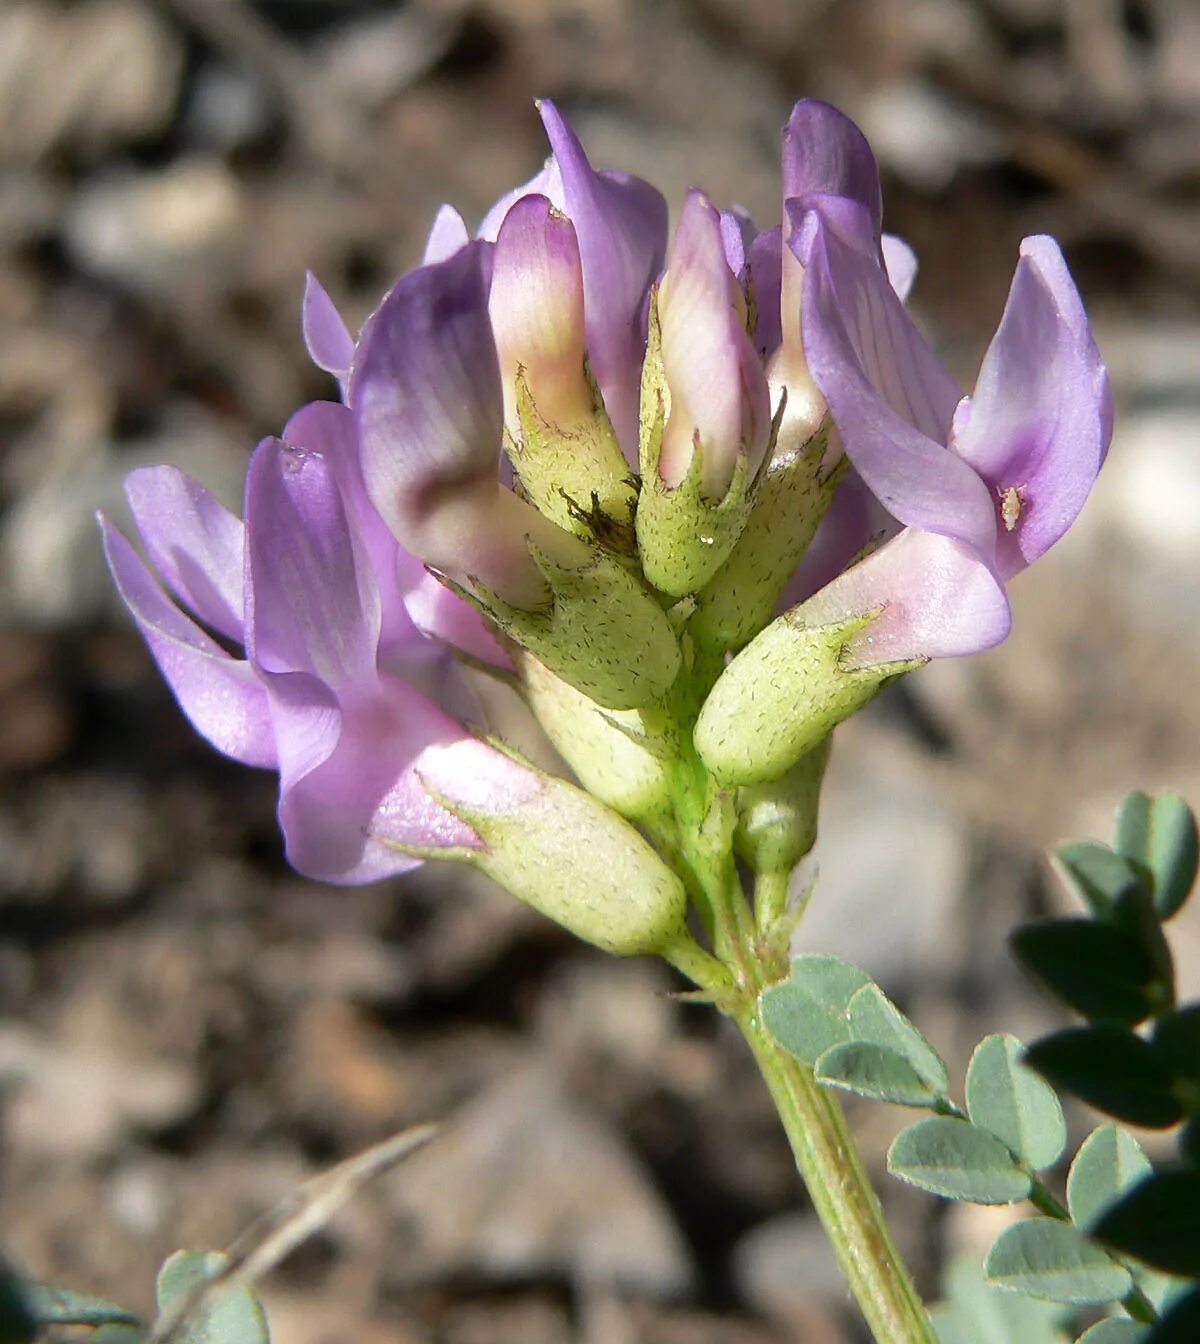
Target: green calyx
{"points": [[782, 695], [601, 631], [575, 475], [683, 537], [790, 498], [777, 821]]}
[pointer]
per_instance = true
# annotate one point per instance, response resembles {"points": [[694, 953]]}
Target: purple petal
{"points": [[939, 600], [547, 182], [426, 391], [311, 606], [854, 518], [327, 428], [536, 305], [621, 223], [766, 280], [824, 153], [443, 616], [353, 782], [737, 235], [220, 695], [889, 397], [447, 235], [330, 345], [718, 388], [193, 541], [900, 262], [1040, 420]]}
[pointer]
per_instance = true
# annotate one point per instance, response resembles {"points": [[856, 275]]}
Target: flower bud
{"points": [[613, 753], [560, 851], [782, 695], [560, 440], [777, 822], [706, 424]]}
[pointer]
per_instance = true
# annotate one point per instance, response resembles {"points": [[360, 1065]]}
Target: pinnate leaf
{"points": [[1114, 1331], [1096, 874], [976, 1313], [1114, 1070], [1177, 1044], [957, 1160], [1056, 1262], [1157, 1221], [875, 1018], [1109, 1161], [1159, 835], [1005, 1097], [45, 1304], [1181, 1324], [1100, 970], [231, 1316], [874, 1071], [807, 1012]]}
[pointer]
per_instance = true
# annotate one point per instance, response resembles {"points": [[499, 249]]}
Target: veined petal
{"points": [[939, 599], [426, 391], [353, 781], [546, 182], [220, 695], [891, 400], [446, 236], [718, 390], [1038, 426], [328, 428], [444, 616], [536, 307], [194, 542], [330, 345], [824, 153], [765, 275], [900, 262], [311, 606], [621, 223], [737, 236]]}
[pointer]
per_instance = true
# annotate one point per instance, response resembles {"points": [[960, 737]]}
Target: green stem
{"points": [[770, 900], [841, 1192]]}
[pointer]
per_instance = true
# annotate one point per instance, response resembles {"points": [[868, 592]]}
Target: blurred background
{"points": [[186, 1029]]}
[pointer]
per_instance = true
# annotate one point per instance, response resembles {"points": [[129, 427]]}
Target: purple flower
{"points": [[338, 689], [981, 485]]}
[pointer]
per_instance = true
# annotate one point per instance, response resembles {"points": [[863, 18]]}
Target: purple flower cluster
{"points": [[537, 331]]}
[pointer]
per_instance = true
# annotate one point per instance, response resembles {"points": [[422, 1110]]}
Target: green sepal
{"points": [[791, 495], [575, 861], [777, 822], [601, 632], [781, 695], [576, 476], [620, 756]]}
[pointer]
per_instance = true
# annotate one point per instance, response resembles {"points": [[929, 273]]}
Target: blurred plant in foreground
{"points": [[697, 516]]}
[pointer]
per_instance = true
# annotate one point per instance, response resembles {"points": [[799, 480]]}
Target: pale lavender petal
{"points": [[328, 428], [547, 182], [193, 541], [621, 223], [443, 616], [330, 345], [311, 606], [220, 695], [824, 153], [447, 235], [737, 235], [426, 390], [939, 600], [854, 518], [718, 388], [900, 262], [765, 285], [890, 399], [1039, 422], [337, 814]]}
